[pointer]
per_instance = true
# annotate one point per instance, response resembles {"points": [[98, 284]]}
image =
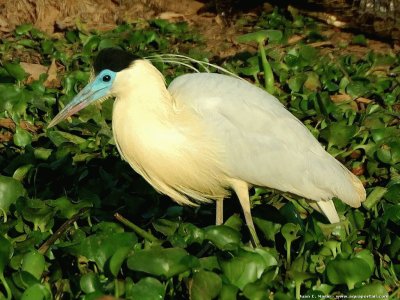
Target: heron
{"points": [[210, 134]]}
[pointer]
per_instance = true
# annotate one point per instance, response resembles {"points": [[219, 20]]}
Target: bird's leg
{"points": [[242, 191], [219, 211]]}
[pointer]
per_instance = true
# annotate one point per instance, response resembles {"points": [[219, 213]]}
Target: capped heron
{"points": [[210, 133]]}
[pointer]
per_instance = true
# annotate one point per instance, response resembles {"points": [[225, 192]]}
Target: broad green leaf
{"points": [[205, 286], [296, 82], [389, 152], [308, 53], [100, 246], [374, 197], [359, 40], [392, 213], [338, 134], [117, 260], [15, 70], [244, 268], [356, 88], [147, 288], [67, 209], [222, 236], [37, 292], [6, 251], [228, 292], [59, 137], [90, 283], [209, 263], [22, 138], [34, 263], [162, 262], [392, 193], [348, 271], [23, 29], [42, 153], [235, 222], [367, 256], [165, 226], [22, 171], [37, 212], [376, 289], [10, 190], [260, 36]]}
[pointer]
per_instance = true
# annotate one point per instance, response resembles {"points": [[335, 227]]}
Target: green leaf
{"points": [[222, 236], [348, 271], [42, 153], [10, 190], [234, 222], [389, 152], [228, 292], [205, 286], [375, 288], [338, 134], [244, 268], [66, 209], [59, 137], [392, 193], [392, 213], [6, 252], [34, 263], [23, 29], [296, 82], [147, 288], [308, 53], [15, 70], [22, 138], [117, 259], [359, 40], [260, 36], [367, 256], [289, 231], [374, 197], [90, 283], [356, 88], [165, 226], [37, 292], [37, 212], [162, 262], [22, 171], [101, 246]]}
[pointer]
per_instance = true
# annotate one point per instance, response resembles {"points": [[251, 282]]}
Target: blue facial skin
{"points": [[99, 88]]}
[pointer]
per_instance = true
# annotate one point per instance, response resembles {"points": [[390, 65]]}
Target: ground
{"points": [[53, 17]]}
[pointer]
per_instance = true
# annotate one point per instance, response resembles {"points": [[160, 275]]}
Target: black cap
{"points": [[113, 59]]}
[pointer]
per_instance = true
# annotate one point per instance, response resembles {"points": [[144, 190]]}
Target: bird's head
{"points": [[108, 63]]}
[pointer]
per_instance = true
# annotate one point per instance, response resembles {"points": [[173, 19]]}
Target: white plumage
{"points": [[208, 134]]}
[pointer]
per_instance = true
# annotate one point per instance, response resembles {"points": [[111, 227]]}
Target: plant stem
{"points": [[268, 75], [6, 286], [288, 246], [298, 286], [395, 294], [116, 293], [144, 234]]}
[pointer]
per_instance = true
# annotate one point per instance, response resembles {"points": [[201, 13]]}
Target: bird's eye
{"points": [[106, 78]]}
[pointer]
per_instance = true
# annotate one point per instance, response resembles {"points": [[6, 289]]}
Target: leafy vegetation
{"points": [[60, 187]]}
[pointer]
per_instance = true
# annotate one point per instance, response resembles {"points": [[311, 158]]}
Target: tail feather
{"points": [[329, 210], [350, 189]]}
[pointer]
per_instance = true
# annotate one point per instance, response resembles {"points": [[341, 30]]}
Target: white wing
{"points": [[265, 145]]}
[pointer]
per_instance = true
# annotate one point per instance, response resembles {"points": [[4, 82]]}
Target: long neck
{"points": [[144, 87]]}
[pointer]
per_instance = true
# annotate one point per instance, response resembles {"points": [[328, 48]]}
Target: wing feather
{"points": [[264, 144]]}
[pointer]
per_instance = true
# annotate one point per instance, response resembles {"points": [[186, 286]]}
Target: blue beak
{"points": [[98, 89]]}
